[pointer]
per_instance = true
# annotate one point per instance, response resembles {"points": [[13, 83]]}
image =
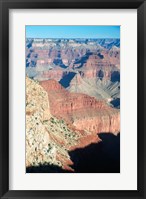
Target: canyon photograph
{"points": [[72, 99]]}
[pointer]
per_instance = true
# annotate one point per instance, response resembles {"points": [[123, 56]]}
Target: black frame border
{"points": [[5, 5]]}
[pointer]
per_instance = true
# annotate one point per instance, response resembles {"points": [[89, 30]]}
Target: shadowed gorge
{"points": [[103, 157], [66, 79]]}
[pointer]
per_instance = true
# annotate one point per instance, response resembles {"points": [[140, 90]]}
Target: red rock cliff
{"points": [[83, 111]]}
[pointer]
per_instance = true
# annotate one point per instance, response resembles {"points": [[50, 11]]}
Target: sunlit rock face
{"points": [[83, 111]]}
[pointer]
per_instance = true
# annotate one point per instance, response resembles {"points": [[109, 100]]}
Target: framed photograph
{"points": [[72, 99]]}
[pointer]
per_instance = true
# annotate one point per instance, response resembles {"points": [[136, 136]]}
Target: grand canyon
{"points": [[72, 105]]}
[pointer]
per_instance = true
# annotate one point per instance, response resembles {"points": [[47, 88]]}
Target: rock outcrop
{"points": [[81, 110], [48, 139]]}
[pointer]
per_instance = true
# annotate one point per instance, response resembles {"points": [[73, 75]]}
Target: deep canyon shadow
{"points": [[103, 157], [66, 79], [46, 169]]}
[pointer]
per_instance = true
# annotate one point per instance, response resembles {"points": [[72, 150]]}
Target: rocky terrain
{"points": [[89, 66], [48, 138], [72, 96]]}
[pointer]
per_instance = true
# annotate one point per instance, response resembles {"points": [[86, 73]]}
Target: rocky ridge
{"points": [[48, 139]]}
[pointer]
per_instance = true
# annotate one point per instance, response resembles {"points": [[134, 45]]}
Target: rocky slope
{"points": [[95, 87], [48, 139], [81, 110]]}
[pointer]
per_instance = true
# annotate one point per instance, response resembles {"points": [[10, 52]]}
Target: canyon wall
{"points": [[83, 111]]}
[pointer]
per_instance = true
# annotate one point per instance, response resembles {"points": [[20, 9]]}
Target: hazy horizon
{"points": [[76, 32], [68, 38]]}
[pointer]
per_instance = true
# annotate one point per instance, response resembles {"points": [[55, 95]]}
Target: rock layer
{"points": [[81, 110], [89, 66]]}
